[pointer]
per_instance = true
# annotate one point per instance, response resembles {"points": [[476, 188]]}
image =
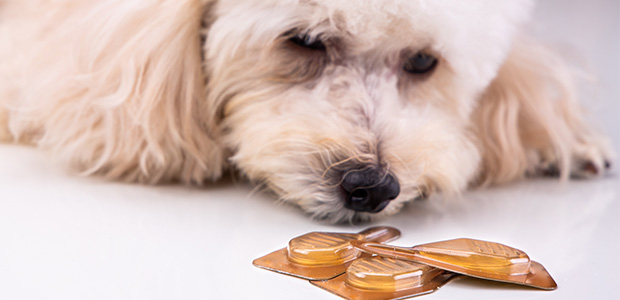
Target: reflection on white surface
{"points": [[63, 237], [72, 238]]}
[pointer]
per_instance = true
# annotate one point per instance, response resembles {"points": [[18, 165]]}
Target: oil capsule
{"points": [[322, 255], [385, 278]]}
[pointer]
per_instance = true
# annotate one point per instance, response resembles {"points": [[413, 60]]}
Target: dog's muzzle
{"points": [[368, 190]]}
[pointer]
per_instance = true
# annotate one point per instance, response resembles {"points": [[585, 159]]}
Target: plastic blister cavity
{"points": [[322, 255], [385, 278], [481, 259]]}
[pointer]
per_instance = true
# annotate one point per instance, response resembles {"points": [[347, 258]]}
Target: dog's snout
{"points": [[368, 190]]}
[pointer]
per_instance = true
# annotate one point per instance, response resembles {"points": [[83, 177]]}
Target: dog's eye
{"points": [[307, 42], [420, 63]]}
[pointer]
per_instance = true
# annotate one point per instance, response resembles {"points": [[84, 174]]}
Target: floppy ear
{"points": [[131, 106], [528, 120]]}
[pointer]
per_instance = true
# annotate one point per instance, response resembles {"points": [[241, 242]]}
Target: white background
{"points": [[64, 237]]}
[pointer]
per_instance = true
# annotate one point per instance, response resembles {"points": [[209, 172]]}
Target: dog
{"points": [[348, 109]]}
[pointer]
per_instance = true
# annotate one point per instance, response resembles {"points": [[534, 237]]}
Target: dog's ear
{"points": [[133, 108], [528, 120]]}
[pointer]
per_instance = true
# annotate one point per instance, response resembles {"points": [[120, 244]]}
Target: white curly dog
{"points": [[348, 109]]}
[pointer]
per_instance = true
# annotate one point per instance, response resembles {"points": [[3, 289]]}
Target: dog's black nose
{"points": [[368, 190]]}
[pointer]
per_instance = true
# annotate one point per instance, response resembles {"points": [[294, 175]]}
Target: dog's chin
{"points": [[335, 212]]}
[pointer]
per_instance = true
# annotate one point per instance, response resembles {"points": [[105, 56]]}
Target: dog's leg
{"points": [[529, 122], [5, 134], [114, 88]]}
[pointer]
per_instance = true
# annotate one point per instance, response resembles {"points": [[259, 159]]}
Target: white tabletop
{"points": [[65, 237]]}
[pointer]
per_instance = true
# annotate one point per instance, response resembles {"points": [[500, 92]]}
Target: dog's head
{"points": [[347, 108], [352, 108]]}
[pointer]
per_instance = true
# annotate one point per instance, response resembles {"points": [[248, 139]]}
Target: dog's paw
{"points": [[588, 160], [595, 160]]}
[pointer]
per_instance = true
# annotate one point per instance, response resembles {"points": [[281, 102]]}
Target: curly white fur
{"points": [[161, 90]]}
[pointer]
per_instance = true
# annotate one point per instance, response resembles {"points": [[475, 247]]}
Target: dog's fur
{"points": [[179, 90]]}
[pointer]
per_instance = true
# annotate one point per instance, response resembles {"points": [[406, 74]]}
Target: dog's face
{"points": [[352, 108]]}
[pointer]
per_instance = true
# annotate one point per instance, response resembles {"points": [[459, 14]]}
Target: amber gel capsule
{"points": [[322, 248], [478, 255], [382, 278], [388, 274], [322, 255], [470, 257]]}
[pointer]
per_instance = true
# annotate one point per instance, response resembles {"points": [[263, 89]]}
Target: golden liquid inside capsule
{"points": [[321, 249], [477, 255], [388, 275]]}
